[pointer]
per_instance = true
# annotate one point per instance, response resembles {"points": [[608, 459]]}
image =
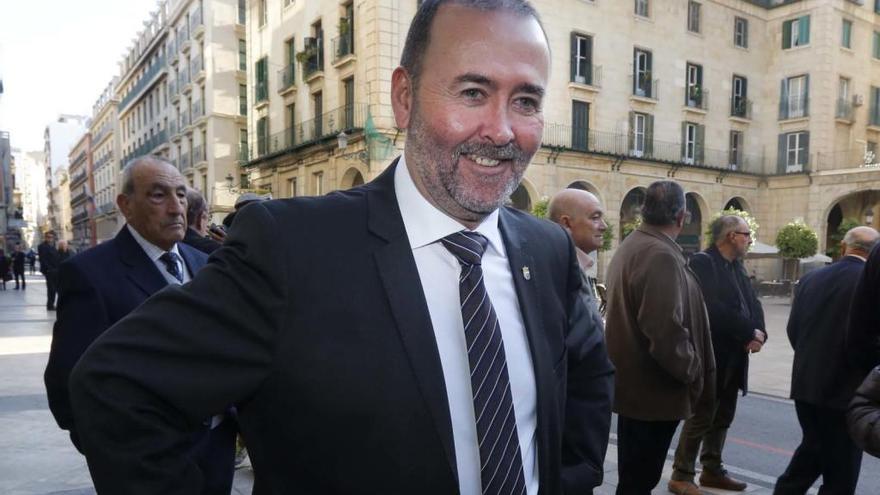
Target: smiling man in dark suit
{"points": [[407, 336], [104, 284]]}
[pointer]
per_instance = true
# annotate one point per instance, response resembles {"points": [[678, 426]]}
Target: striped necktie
{"points": [[171, 265], [501, 469]]}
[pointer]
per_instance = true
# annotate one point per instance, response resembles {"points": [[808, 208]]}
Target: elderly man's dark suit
{"points": [[99, 287], [734, 314], [203, 244], [320, 334], [817, 330], [863, 332]]}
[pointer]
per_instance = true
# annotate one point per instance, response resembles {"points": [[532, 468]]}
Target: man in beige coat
{"points": [[657, 332]]}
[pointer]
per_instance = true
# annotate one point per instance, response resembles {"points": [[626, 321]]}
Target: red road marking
{"points": [[760, 446]]}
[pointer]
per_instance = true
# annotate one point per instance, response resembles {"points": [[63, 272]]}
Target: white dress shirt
{"points": [[154, 252], [439, 271]]}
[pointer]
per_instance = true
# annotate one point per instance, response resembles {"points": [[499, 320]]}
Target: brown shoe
{"points": [[683, 487], [722, 481]]}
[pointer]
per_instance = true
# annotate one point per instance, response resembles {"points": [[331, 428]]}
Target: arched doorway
{"points": [[737, 203], [352, 178], [691, 234], [851, 210], [631, 210], [520, 198]]}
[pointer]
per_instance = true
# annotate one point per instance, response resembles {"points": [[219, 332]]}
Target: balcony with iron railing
{"points": [[590, 75], [644, 86], [845, 110], [261, 92], [794, 107], [154, 70], [78, 198], [79, 217], [78, 178], [100, 135], [847, 159], [197, 67], [183, 80], [313, 58], [343, 46], [348, 118], [696, 97], [286, 78], [740, 107], [147, 147], [562, 137]]}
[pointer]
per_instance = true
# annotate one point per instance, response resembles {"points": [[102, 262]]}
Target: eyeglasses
{"points": [[747, 234]]}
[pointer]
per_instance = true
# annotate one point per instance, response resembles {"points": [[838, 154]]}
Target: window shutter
{"points": [[635, 71], [684, 137], [649, 89], [699, 144], [786, 35], [588, 61], [731, 152], [745, 32], [806, 95], [780, 155], [573, 62], [632, 131], [783, 100], [745, 89], [649, 135], [805, 156], [804, 30]]}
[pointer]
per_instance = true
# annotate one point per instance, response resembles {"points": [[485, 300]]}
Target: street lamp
{"points": [[869, 216], [342, 144]]}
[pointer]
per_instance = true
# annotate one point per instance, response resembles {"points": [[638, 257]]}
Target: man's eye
{"points": [[472, 93], [529, 105]]}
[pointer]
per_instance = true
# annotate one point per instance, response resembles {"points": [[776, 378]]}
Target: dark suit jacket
{"points": [[18, 260], [731, 329], [320, 334], [821, 374], [97, 288], [48, 258], [203, 244], [863, 332]]}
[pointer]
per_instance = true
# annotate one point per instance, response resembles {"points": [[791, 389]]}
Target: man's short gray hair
{"points": [[128, 171], [724, 225], [855, 239]]}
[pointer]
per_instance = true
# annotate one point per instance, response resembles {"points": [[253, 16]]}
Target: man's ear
{"points": [[401, 97], [122, 204]]}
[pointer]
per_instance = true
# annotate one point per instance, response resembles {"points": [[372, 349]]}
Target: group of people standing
{"points": [[13, 266]]}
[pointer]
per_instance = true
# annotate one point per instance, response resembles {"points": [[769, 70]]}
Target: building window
{"points": [[319, 183], [794, 97], [740, 32], [794, 151], [291, 187], [693, 17], [739, 106], [261, 76], [642, 8], [242, 55], [642, 80], [242, 145], [844, 105], [846, 34], [242, 99], [581, 58], [694, 94], [262, 136], [318, 108], [874, 111], [796, 32], [262, 12], [348, 98], [290, 115], [580, 125], [641, 139], [242, 11], [876, 51], [692, 142], [734, 159]]}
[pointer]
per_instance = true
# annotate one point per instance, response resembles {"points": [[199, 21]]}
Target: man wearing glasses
{"points": [[737, 326]]}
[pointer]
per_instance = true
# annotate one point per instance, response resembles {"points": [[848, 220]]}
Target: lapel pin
{"points": [[526, 273]]}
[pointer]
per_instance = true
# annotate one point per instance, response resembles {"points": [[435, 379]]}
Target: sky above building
{"points": [[58, 56]]}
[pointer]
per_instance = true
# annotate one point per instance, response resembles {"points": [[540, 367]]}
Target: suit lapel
{"points": [[142, 272], [527, 291], [400, 278], [193, 262]]}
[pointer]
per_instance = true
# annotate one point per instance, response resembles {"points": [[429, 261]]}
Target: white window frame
{"points": [[793, 151], [736, 147], [581, 59], [846, 35], [690, 143], [797, 107], [641, 62], [794, 40], [640, 121], [693, 16], [740, 32], [642, 8]]}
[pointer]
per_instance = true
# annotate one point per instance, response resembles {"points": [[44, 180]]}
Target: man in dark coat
{"points": [[821, 393], [18, 259], [863, 331], [737, 325], [49, 267], [198, 222], [343, 326], [104, 284]]}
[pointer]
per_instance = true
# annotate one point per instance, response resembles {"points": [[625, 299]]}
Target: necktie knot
{"points": [[172, 265], [467, 246]]}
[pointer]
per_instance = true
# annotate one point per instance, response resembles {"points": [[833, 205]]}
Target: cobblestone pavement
{"points": [[38, 458]]}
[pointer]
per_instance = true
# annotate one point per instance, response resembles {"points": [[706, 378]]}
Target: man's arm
{"points": [[185, 354], [863, 330], [589, 396], [81, 318], [728, 326]]}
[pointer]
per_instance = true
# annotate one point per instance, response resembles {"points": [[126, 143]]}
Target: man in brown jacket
{"points": [[657, 332]]}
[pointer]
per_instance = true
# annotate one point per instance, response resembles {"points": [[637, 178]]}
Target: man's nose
{"points": [[498, 127]]}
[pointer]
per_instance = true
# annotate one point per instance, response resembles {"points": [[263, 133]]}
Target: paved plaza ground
{"points": [[37, 458]]}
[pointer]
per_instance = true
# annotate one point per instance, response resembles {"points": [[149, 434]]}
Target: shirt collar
{"points": [[858, 257], [153, 251], [425, 224]]}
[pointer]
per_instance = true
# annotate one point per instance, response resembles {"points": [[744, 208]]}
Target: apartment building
{"points": [[7, 205], [30, 179], [772, 106], [58, 138], [81, 194], [106, 159]]}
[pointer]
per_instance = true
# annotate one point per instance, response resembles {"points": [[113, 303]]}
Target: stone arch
{"points": [[691, 237], [739, 203], [353, 177], [523, 197], [584, 185], [862, 206], [630, 207]]}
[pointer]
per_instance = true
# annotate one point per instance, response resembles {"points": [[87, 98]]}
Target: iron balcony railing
{"points": [[794, 107], [261, 92], [286, 77], [147, 147], [847, 159], [98, 136], [78, 178], [343, 46], [348, 118], [844, 109], [696, 97], [591, 76], [628, 145], [80, 217], [143, 82], [645, 86], [78, 198], [314, 62], [740, 107]]}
